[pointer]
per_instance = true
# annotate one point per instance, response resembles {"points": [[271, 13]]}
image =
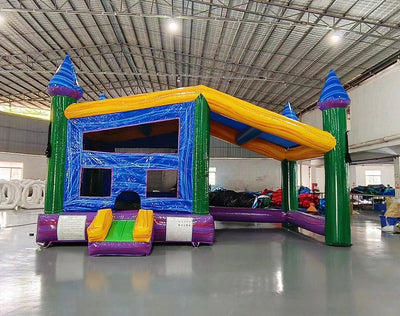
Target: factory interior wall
{"points": [[312, 171], [247, 174], [313, 118], [318, 178], [357, 174], [304, 175], [239, 174], [35, 166], [20, 134], [371, 124], [374, 108]]}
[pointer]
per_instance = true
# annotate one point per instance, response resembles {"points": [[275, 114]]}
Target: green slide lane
{"points": [[121, 231]]}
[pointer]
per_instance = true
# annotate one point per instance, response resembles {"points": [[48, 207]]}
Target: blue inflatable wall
{"points": [[129, 171]]}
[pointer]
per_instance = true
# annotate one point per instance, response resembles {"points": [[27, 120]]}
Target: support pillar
{"points": [[201, 157], [290, 197], [56, 164], [333, 103]]}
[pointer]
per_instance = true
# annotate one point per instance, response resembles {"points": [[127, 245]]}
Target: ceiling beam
{"points": [[274, 18]]}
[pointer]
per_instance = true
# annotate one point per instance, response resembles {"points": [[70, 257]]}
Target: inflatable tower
{"points": [[64, 89]]}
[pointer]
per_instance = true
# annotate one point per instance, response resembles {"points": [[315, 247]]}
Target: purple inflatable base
{"points": [[203, 226], [47, 227], [112, 248], [247, 215], [313, 223], [120, 248]]}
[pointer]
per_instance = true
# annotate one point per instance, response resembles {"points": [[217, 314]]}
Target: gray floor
{"points": [[252, 269]]}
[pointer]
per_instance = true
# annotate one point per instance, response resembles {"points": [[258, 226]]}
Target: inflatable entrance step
{"points": [[121, 237]]}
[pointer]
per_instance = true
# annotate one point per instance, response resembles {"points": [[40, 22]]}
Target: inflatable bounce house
{"points": [[127, 172]]}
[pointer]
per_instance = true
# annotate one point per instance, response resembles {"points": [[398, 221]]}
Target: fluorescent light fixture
{"points": [[173, 26], [335, 37]]}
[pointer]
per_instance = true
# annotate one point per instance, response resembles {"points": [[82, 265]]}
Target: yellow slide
{"points": [[143, 229], [98, 229]]}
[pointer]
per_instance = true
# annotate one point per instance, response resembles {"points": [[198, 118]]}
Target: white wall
{"points": [[320, 178], [357, 174], [313, 118], [312, 171], [35, 166], [257, 174], [315, 172], [239, 174], [375, 107], [304, 175], [251, 174], [20, 134]]}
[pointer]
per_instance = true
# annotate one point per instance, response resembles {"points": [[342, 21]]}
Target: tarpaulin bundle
{"points": [[322, 205], [389, 192], [306, 199], [267, 192], [277, 198], [359, 189], [374, 189], [263, 201], [231, 198], [304, 190]]}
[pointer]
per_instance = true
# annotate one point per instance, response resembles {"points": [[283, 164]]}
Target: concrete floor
{"points": [[252, 269]]}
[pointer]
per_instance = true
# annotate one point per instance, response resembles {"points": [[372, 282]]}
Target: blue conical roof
{"points": [[102, 97], [288, 112], [333, 94], [64, 82]]}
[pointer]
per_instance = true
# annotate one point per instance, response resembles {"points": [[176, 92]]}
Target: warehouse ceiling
{"points": [[266, 52]]}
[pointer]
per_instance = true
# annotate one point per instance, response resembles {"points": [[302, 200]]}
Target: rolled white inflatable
{"points": [[10, 195], [28, 194], [32, 194]]}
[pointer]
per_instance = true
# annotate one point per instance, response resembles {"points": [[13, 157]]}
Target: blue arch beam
{"points": [[247, 135]]}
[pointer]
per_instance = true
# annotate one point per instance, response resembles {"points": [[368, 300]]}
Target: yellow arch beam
{"points": [[312, 141]]}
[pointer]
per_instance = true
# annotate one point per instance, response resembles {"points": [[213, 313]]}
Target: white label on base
{"points": [[179, 229], [71, 227]]}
